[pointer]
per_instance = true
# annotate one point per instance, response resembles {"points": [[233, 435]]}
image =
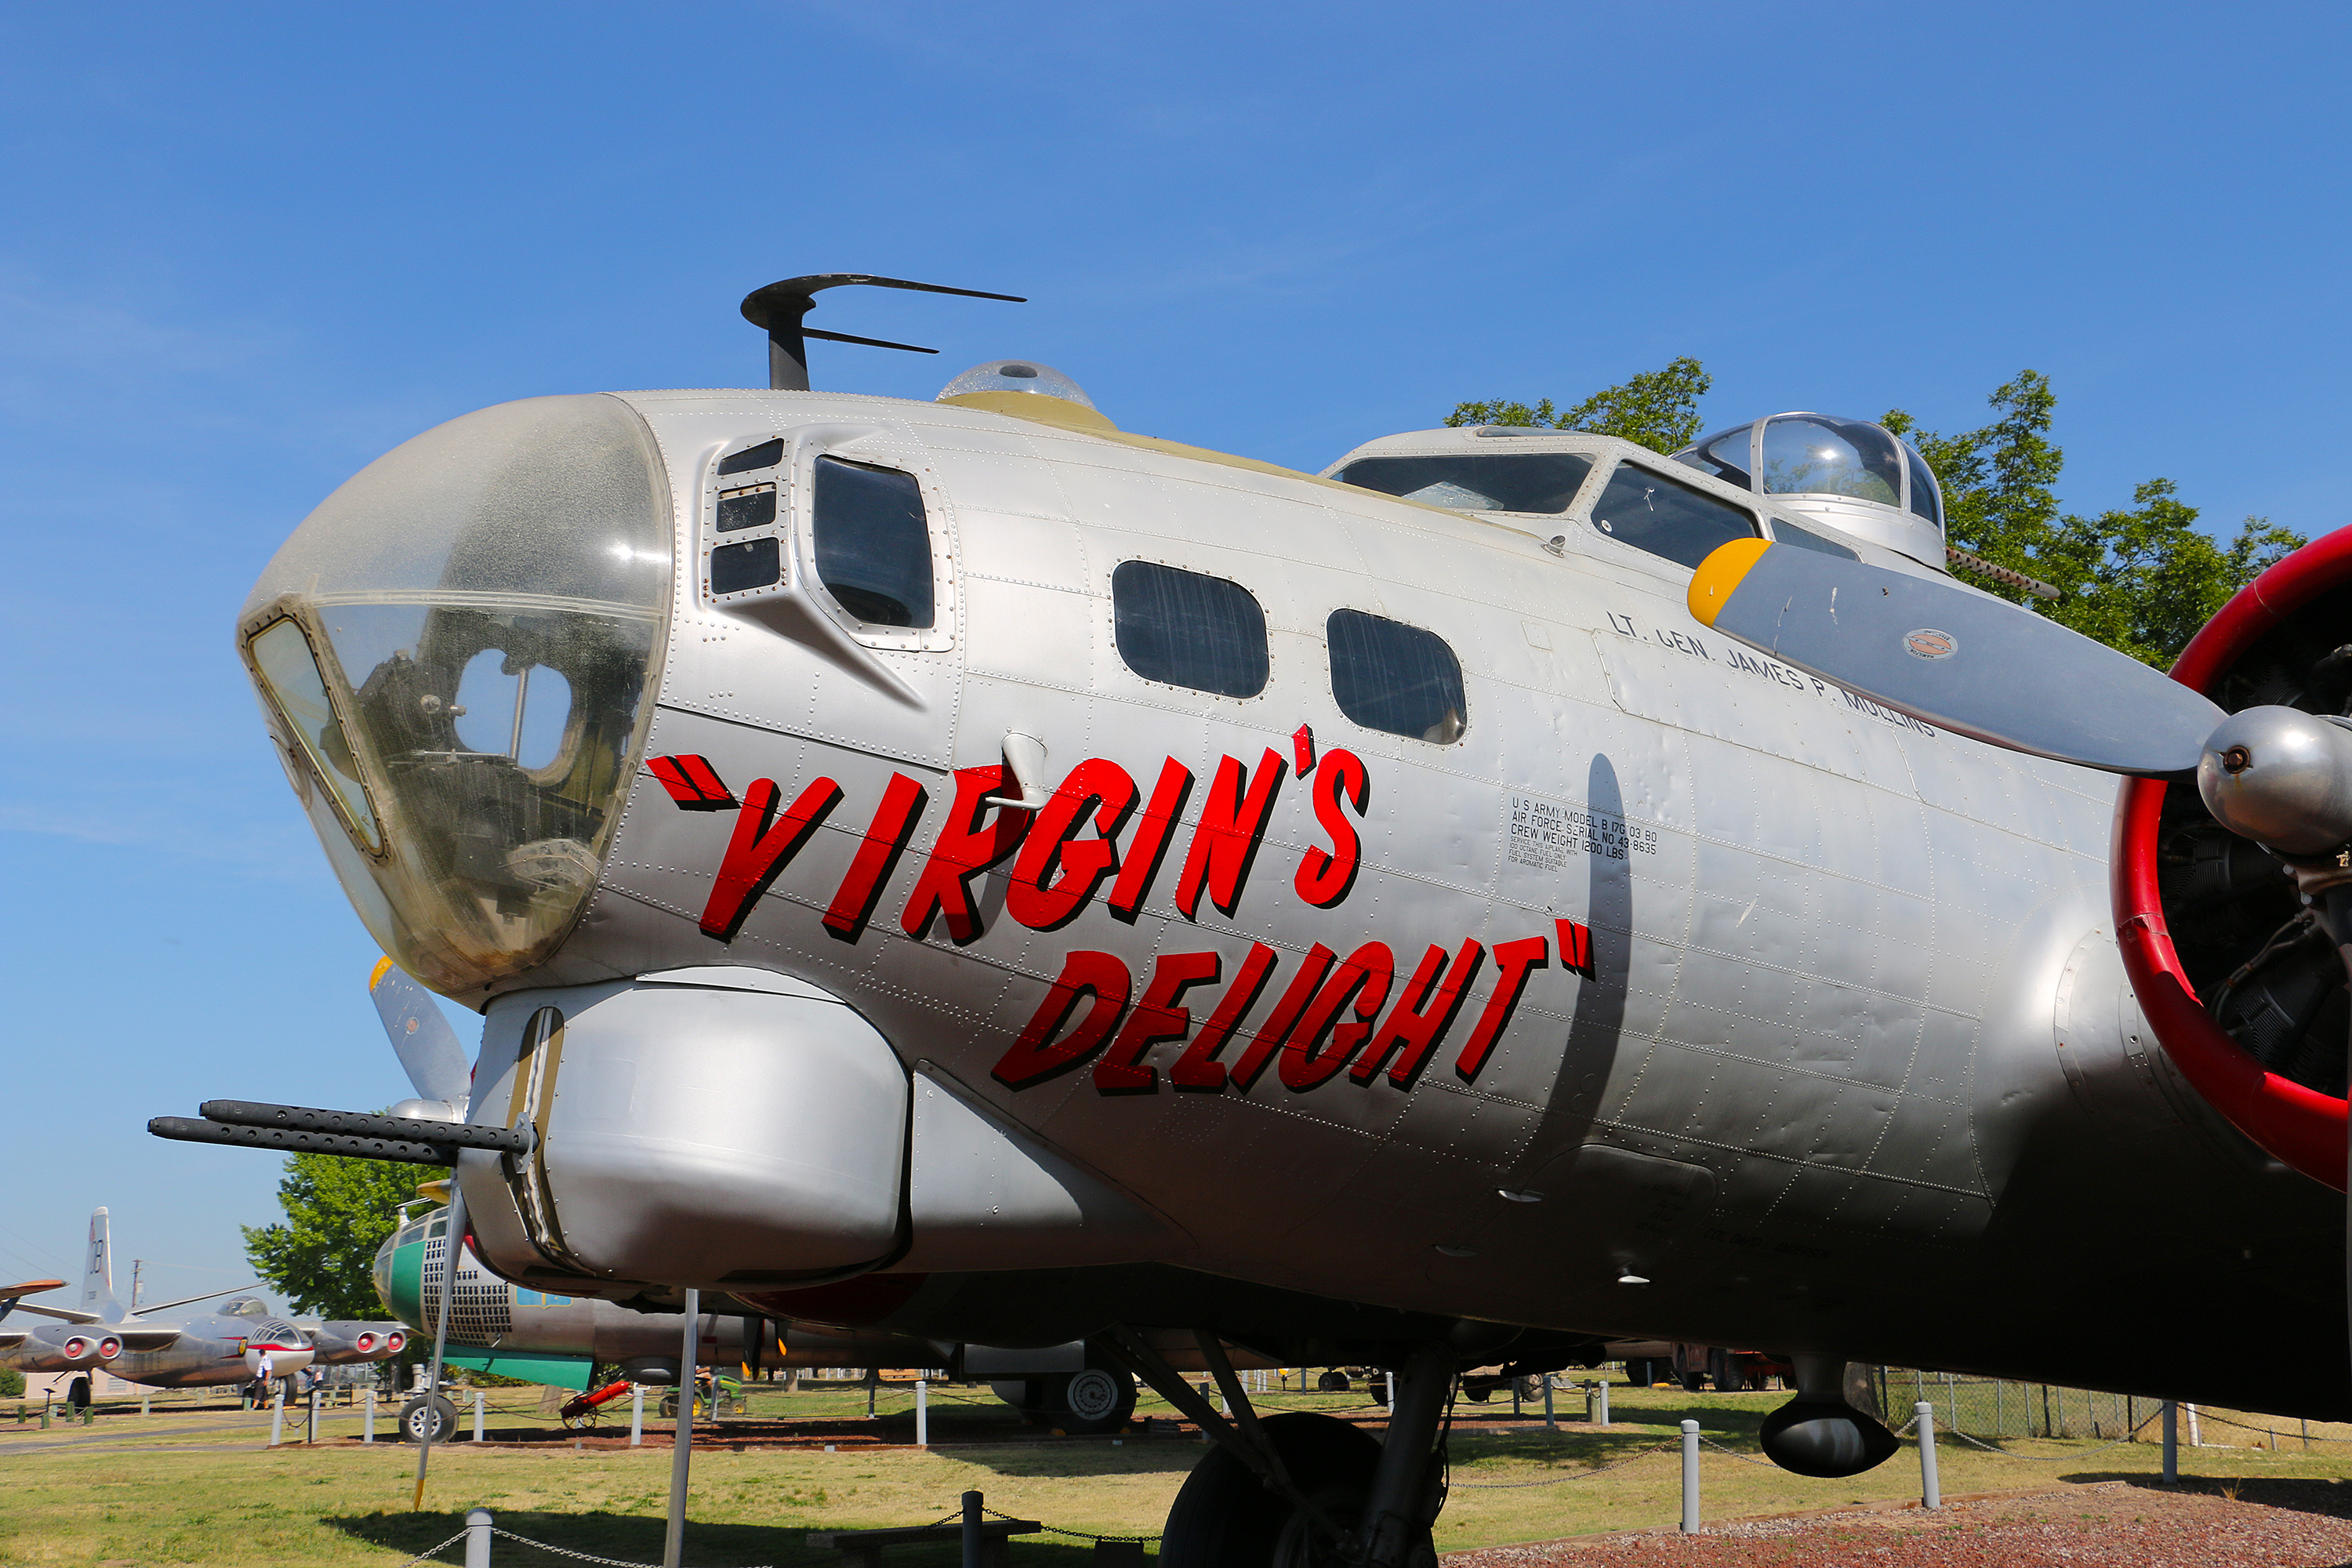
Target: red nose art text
{"points": [[1217, 1021]]}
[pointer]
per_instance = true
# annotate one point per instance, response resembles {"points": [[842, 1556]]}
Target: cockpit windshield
{"points": [[1477, 481], [459, 645]]}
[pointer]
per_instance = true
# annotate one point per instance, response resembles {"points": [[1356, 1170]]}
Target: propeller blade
{"points": [[427, 1047], [1955, 659]]}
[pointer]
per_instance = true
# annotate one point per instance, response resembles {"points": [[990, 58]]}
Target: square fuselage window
{"points": [[1395, 677], [1190, 629]]}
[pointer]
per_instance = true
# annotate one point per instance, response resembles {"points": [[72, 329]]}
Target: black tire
{"points": [[1640, 1373], [78, 1393], [1332, 1381], [1084, 1403], [1222, 1518], [418, 1413]]}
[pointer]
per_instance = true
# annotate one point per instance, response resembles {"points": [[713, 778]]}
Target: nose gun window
{"points": [[1650, 511], [1186, 629], [873, 543], [1396, 679], [766, 454], [754, 564], [1477, 481], [747, 509], [290, 675]]}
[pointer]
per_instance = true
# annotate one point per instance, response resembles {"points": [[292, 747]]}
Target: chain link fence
{"points": [[1995, 1408]]}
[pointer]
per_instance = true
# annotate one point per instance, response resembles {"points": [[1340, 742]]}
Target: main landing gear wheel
{"points": [[1084, 1403], [419, 1414], [1078, 1404], [1224, 1518], [78, 1393]]}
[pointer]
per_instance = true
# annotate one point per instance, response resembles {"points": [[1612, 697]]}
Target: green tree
{"points": [[1658, 408], [338, 1212], [2141, 579]]}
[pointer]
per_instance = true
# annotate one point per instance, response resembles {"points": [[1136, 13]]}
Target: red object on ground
{"points": [[581, 1403]]}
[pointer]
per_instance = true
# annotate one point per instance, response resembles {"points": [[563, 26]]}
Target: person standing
{"points": [[263, 1373]]}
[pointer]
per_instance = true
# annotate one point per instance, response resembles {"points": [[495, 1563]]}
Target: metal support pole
{"points": [[477, 1537], [922, 1413], [974, 1553], [478, 1415], [872, 1386], [312, 1435], [1931, 1491], [453, 1244], [636, 1415], [146, 1394], [278, 1419], [682, 1448], [1551, 1420], [2171, 1442], [1600, 1399], [2196, 1434], [1391, 1401], [1690, 1477], [367, 1433]]}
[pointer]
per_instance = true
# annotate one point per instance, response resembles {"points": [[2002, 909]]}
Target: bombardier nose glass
{"points": [[486, 604]]}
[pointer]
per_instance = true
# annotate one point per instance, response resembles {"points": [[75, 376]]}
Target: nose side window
{"points": [[873, 543], [1190, 629], [1644, 509], [1396, 679]]}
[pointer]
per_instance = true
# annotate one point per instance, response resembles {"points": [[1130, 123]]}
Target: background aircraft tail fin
{"points": [[97, 1273]]}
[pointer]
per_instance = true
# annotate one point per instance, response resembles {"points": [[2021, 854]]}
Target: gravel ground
{"points": [[2111, 1525]]}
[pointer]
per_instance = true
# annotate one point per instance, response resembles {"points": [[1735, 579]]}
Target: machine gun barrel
{"points": [[297, 1129]]}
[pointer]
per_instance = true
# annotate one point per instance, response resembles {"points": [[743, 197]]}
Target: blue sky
{"points": [[242, 250]]}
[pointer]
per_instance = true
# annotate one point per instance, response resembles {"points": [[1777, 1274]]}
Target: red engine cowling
{"points": [[2245, 994]]}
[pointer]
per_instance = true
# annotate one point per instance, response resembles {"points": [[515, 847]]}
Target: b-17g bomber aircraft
{"points": [[966, 869], [163, 1347]]}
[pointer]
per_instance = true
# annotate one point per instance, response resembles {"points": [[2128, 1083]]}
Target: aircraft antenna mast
{"points": [[779, 307]]}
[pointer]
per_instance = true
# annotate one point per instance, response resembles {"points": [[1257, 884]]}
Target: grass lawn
{"points": [[189, 1485]]}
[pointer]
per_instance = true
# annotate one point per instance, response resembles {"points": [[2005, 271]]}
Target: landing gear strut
{"points": [[1301, 1490]]}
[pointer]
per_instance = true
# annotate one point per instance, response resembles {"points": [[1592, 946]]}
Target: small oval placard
{"points": [[1929, 643]]}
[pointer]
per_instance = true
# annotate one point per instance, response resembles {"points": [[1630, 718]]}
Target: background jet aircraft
{"points": [[966, 869], [165, 1347]]}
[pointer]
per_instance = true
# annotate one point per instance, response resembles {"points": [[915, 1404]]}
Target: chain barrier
{"points": [[1571, 1475], [2267, 1432], [436, 1552], [1743, 1458], [2068, 1458], [1056, 1530], [567, 1551]]}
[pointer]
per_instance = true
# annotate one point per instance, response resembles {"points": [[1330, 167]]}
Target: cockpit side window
{"points": [[873, 543], [1543, 482], [1190, 629], [1644, 509], [1396, 679]]}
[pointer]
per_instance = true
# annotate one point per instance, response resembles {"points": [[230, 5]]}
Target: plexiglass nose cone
{"points": [[456, 654]]}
